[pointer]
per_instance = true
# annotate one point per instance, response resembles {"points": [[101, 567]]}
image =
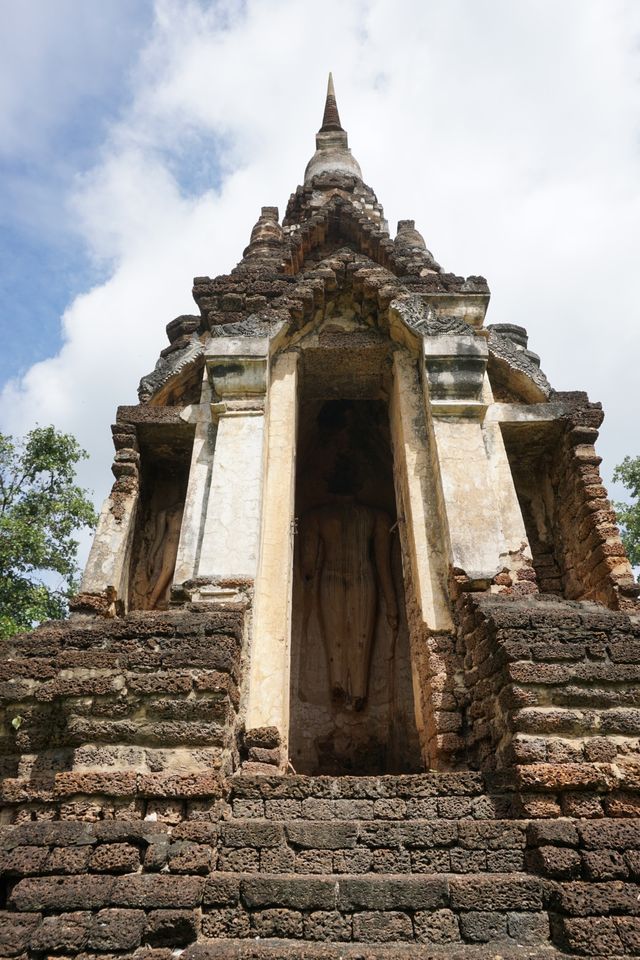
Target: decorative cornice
{"points": [[519, 361], [169, 367]]}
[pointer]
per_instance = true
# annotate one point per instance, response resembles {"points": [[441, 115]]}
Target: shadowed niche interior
{"points": [[164, 460], [533, 453], [352, 708]]}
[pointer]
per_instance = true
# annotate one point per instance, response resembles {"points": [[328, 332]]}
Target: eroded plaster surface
{"points": [[268, 696]]}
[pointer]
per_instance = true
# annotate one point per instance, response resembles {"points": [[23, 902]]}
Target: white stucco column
{"points": [[483, 517], [194, 516], [106, 574], [514, 534], [415, 471], [237, 371], [268, 699], [107, 568]]}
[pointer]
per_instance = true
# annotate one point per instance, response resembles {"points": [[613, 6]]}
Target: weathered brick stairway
{"points": [[419, 866], [389, 859]]}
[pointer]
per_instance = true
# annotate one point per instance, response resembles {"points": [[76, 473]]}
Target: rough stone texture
{"points": [[570, 523], [17, 931], [437, 926], [296, 950], [170, 928], [489, 877], [546, 679], [67, 932], [116, 929], [73, 695]]}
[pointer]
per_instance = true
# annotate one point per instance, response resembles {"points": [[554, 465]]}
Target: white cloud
{"points": [[54, 56], [508, 131]]}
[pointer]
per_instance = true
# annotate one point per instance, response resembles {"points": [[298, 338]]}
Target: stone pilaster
{"points": [[104, 586], [486, 530], [268, 698], [230, 541], [197, 490]]}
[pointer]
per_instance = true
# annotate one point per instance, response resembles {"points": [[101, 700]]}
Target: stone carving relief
{"points": [[170, 366], [422, 319], [518, 359], [161, 559], [352, 702], [157, 534], [266, 324], [345, 556]]}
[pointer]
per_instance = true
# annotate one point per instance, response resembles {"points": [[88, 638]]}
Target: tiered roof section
{"points": [[333, 234]]}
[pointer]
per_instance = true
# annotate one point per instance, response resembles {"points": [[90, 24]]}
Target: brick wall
{"points": [[593, 560], [124, 832], [553, 689], [113, 716]]}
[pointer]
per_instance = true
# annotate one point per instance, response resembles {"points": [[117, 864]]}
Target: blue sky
{"points": [[139, 138], [63, 85]]}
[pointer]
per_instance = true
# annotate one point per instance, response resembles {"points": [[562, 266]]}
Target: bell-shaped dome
{"points": [[407, 237], [267, 229], [266, 240], [409, 244]]}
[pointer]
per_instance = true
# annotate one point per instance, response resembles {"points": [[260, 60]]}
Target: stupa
{"points": [[354, 667]]}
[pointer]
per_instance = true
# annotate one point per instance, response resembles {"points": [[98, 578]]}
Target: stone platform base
{"points": [[422, 866], [125, 833]]}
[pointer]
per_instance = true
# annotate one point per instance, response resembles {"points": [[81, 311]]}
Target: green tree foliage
{"points": [[628, 473], [40, 510]]}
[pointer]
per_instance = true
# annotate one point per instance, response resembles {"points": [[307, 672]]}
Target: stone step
{"points": [[405, 786], [452, 807], [420, 846], [452, 908], [276, 949]]}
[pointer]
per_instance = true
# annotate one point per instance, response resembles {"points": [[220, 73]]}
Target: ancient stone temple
{"points": [[355, 665]]}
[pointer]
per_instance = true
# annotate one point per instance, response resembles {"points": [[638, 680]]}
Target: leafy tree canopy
{"points": [[40, 509], [628, 473]]}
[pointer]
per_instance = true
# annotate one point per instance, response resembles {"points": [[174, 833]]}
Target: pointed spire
{"points": [[331, 118], [332, 148]]}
